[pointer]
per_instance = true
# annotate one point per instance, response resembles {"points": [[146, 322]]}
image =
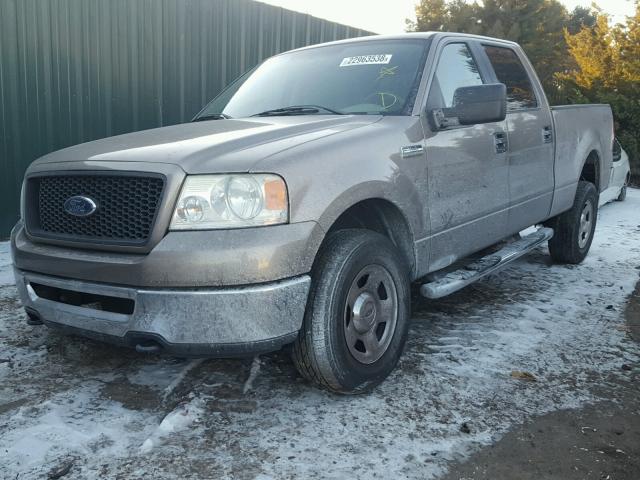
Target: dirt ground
{"points": [[596, 442], [600, 441], [532, 373]]}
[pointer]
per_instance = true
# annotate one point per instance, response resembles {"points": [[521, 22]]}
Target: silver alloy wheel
{"points": [[586, 220], [370, 314]]}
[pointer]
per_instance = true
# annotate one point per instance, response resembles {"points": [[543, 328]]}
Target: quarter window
{"points": [[456, 68], [511, 72]]}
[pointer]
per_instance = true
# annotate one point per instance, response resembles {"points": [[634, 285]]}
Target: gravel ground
{"points": [[73, 408]]}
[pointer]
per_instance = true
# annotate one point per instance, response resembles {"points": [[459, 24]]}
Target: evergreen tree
{"points": [[537, 25], [607, 70], [579, 56]]}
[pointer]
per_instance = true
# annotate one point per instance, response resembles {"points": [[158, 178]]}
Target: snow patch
{"points": [[36, 436], [6, 268], [253, 373], [177, 420], [180, 377]]}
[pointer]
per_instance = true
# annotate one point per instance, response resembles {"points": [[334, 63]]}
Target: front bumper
{"points": [[216, 322], [189, 259]]}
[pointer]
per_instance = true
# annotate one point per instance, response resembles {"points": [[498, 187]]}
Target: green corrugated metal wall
{"points": [[76, 70]]}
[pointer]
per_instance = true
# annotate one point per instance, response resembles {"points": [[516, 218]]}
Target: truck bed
{"points": [[577, 129]]}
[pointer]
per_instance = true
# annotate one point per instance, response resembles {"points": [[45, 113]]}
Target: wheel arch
{"points": [[383, 216], [592, 169]]}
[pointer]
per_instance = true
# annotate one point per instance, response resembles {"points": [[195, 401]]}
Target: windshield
{"points": [[374, 77]]}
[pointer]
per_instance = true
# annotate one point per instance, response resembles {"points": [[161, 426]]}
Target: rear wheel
{"points": [[357, 315], [623, 191], [573, 229]]}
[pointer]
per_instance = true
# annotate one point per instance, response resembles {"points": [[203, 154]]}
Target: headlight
{"points": [[231, 201]]}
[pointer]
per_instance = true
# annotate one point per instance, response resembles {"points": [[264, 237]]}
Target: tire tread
{"points": [[311, 338], [563, 247]]}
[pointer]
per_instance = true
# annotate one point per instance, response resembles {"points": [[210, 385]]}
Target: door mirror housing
{"points": [[473, 105], [480, 103]]}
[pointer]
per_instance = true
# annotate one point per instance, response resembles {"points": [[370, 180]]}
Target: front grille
{"points": [[125, 213]]}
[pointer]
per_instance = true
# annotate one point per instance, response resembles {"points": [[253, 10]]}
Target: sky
{"points": [[387, 16]]}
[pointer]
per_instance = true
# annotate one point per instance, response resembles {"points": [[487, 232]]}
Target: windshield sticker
{"points": [[380, 59]]}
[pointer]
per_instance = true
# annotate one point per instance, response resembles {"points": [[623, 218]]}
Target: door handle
{"points": [[500, 140], [547, 134]]}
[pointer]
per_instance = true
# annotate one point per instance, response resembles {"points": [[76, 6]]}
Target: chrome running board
{"points": [[478, 268]]}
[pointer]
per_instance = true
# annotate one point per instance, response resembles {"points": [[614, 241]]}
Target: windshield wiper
{"points": [[297, 110], [212, 116]]}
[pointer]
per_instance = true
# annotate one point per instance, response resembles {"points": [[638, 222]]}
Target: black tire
{"points": [[572, 237], [623, 194], [321, 353]]}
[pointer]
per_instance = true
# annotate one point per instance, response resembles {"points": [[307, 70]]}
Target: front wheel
{"points": [[357, 315], [573, 229]]}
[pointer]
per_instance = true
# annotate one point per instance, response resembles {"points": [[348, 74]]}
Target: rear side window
{"points": [[511, 72], [456, 68]]}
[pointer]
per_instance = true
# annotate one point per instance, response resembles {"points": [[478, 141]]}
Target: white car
{"points": [[619, 178]]}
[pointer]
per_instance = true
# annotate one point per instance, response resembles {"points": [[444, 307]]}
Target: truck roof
{"points": [[404, 36]]}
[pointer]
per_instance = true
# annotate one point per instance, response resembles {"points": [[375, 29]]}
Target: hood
{"points": [[211, 146]]}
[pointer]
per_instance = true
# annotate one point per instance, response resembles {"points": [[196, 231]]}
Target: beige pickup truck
{"points": [[301, 203]]}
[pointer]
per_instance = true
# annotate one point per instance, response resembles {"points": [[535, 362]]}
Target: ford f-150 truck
{"points": [[300, 204]]}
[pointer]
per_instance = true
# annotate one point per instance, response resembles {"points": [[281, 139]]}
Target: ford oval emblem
{"points": [[80, 206]]}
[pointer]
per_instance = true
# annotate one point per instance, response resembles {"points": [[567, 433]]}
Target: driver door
{"points": [[468, 182]]}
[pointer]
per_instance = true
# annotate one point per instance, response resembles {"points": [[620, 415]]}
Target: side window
{"points": [[456, 68], [512, 73]]}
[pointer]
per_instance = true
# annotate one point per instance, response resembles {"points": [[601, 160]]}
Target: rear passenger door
{"points": [[529, 134]]}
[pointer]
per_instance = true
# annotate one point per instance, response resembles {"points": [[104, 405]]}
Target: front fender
{"points": [[327, 176], [408, 202]]}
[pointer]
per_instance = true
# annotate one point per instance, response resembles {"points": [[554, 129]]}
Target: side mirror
{"points": [[480, 103], [473, 105]]}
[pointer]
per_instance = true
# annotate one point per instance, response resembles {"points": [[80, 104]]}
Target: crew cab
{"points": [[299, 205]]}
